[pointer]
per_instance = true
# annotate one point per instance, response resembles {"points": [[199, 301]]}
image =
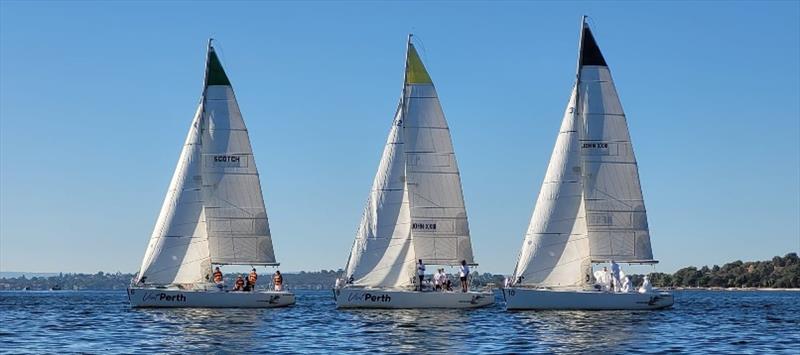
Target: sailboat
{"points": [[590, 209], [415, 210], [213, 213]]}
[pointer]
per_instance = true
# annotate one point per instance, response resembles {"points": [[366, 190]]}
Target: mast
{"points": [[209, 49], [578, 65], [405, 80]]}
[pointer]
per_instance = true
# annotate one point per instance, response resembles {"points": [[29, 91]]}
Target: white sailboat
{"points": [[415, 210], [213, 213], [590, 209]]}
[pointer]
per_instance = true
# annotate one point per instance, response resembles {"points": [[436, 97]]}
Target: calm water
{"points": [[63, 321]]}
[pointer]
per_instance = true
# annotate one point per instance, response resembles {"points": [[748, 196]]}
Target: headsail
{"points": [[382, 254], [213, 211], [556, 247], [590, 207], [416, 207], [178, 248]]}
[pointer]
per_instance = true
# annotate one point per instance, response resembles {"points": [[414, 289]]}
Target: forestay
{"points": [[416, 208], [214, 210]]}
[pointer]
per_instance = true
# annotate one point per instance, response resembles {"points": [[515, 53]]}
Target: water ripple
{"points": [[103, 322]]}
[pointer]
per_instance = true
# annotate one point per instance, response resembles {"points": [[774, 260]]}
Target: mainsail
{"points": [[590, 207], [615, 213], [416, 207], [214, 211]]}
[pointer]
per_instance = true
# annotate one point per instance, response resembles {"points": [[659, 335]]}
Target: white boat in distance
{"points": [[415, 210], [213, 213], [590, 208]]}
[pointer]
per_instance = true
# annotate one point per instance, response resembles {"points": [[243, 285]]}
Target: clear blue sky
{"points": [[96, 99]]}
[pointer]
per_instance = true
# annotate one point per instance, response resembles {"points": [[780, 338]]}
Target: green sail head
{"points": [[415, 70]]}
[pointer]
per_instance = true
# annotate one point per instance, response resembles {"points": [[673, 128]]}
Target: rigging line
{"points": [[429, 127], [422, 46], [613, 199], [431, 202], [234, 206]]}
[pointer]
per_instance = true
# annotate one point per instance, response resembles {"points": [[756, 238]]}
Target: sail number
{"points": [[424, 226], [226, 159], [595, 145]]}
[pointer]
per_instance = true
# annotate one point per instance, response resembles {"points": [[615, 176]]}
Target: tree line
{"points": [[780, 272]]}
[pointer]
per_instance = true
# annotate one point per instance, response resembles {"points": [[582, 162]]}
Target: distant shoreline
{"points": [[729, 289]]}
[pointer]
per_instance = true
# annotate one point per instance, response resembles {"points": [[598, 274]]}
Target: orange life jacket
{"points": [[217, 276], [277, 279], [252, 277]]}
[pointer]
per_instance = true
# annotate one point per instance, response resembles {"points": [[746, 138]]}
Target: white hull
{"points": [[526, 298], [348, 297], [171, 298]]}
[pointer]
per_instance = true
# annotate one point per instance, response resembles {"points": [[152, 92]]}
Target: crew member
{"points": [[420, 273], [646, 287], [239, 285], [277, 280], [626, 284], [218, 278], [464, 273], [251, 280], [615, 283], [603, 279]]}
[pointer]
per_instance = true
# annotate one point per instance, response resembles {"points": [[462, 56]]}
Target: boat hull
{"points": [[380, 298], [525, 298], [166, 298]]}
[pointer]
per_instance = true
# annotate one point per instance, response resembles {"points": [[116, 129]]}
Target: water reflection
{"points": [[202, 328], [571, 330], [408, 330]]}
